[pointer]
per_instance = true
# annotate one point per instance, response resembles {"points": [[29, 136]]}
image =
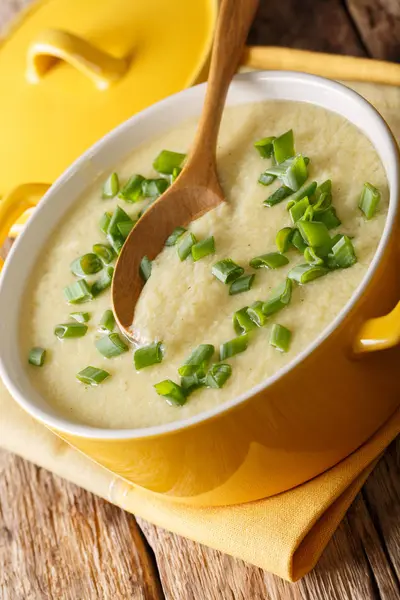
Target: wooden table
{"points": [[59, 542]]}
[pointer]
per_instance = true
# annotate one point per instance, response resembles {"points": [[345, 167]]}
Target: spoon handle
{"points": [[234, 20]]}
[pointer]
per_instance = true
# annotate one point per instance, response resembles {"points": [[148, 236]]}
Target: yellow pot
{"points": [[295, 425]]}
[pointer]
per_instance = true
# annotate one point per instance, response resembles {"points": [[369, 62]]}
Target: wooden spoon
{"points": [[197, 189]]}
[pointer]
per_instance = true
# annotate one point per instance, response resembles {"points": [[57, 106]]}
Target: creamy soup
{"points": [[183, 304]]}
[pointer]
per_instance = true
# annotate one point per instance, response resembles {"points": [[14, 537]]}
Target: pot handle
{"points": [[379, 333], [21, 199], [53, 45]]}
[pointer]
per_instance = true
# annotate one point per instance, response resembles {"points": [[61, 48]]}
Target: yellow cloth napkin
{"points": [[284, 534]]}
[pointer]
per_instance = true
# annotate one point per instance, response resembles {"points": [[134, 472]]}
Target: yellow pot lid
{"points": [[71, 70]]}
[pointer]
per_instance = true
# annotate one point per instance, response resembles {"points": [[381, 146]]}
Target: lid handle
{"points": [[53, 45]]}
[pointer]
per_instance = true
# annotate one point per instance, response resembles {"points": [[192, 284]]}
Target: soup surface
{"points": [[183, 304]]}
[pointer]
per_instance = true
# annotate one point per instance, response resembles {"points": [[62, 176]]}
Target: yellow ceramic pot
{"points": [[295, 425]]}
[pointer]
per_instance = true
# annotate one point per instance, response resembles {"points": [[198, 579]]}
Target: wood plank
{"points": [[61, 543], [378, 24]]}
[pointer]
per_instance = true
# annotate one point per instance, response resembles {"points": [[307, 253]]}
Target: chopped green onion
{"points": [[111, 186], [328, 217], [284, 146], [190, 383], [92, 376], [308, 214], [88, 264], [306, 273], [241, 284], [316, 234], [111, 345], [242, 322], [343, 253], [203, 248], [255, 312], [153, 188], [172, 392], [145, 268], [78, 292], [37, 356], [279, 195], [280, 298], [105, 222], [272, 260], [175, 174], [265, 146], [298, 209], [226, 270], [307, 189], [114, 234], [175, 235], [233, 347], [218, 375], [70, 330], [324, 202], [296, 173], [298, 242], [104, 252], [199, 359], [132, 190], [167, 161], [80, 317], [266, 179], [312, 257], [369, 200], [283, 239], [148, 355], [280, 337], [107, 322], [125, 228], [185, 245], [103, 282]]}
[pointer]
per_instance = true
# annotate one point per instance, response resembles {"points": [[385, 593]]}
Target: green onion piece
{"points": [[107, 322], [78, 292], [324, 202], [266, 179], [103, 282], [145, 268], [153, 188], [125, 228], [132, 190], [226, 270], [280, 298], [148, 355], [307, 189], [104, 252], [203, 248], [272, 260], [80, 317], [328, 217], [199, 359], [369, 200], [92, 376], [277, 197], [265, 146], [343, 253], [172, 392], [241, 284], [312, 257], [284, 146], [114, 234], [280, 337], [307, 160], [218, 375], [175, 174], [283, 239], [296, 173], [167, 161], [190, 383], [316, 234], [255, 312], [242, 322], [70, 330], [298, 209], [233, 347], [111, 345], [105, 222], [37, 356], [308, 214], [88, 264], [185, 245], [298, 242], [306, 273], [111, 186], [175, 235]]}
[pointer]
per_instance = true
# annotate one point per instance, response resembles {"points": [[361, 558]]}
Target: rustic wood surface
{"points": [[58, 542]]}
